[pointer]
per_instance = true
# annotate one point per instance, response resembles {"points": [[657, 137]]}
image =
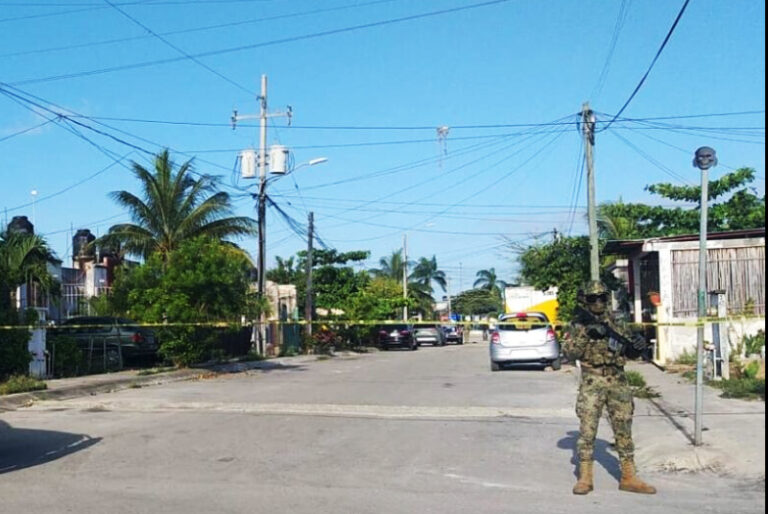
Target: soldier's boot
{"points": [[630, 482], [584, 484]]}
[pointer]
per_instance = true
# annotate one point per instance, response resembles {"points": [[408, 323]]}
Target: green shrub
{"points": [[751, 370], [640, 389], [21, 384], [66, 353], [14, 352], [753, 343], [183, 346], [746, 388], [635, 379]]}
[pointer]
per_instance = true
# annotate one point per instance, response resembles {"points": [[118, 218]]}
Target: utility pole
{"points": [[588, 127], [263, 116], [705, 159], [405, 277], [308, 301]]}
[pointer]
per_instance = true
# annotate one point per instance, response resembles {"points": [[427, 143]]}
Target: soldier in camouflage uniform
{"points": [[603, 385]]}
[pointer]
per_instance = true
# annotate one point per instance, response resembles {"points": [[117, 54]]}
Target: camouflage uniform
{"points": [[603, 385]]}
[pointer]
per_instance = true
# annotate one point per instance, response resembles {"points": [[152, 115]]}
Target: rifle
{"points": [[617, 342]]}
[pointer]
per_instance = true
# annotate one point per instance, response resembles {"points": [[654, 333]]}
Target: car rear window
{"points": [[518, 323]]}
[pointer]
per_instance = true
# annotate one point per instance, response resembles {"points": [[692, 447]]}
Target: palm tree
{"points": [[487, 279], [286, 271], [390, 267], [23, 259], [175, 207], [613, 227], [426, 272]]}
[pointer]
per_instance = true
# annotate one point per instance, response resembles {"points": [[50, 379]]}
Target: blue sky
{"points": [[520, 64]]}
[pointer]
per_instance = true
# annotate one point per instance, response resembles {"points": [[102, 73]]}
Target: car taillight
{"points": [[495, 338], [404, 332], [551, 337], [137, 338]]}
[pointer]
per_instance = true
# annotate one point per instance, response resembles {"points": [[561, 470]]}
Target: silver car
{"points": [[429, 334], [524, 338]]}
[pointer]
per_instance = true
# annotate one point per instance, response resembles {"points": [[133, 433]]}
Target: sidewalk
{"points": [[733, 434], [64, 388]]}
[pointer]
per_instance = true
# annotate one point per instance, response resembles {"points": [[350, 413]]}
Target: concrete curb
{"points": [[96, 384]]}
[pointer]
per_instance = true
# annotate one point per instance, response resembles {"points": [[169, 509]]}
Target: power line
{"points": [[71, 116], [431, 128], [178, 49], [653, 161], [193, 29], [653, 62], [252, 46], [621, 18], [24, 131], [70, 187]]}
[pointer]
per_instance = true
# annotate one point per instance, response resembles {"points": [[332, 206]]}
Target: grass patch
{"points": [[640, 389], [744, 388], [21, 384], [154, 371], [686, 358]]}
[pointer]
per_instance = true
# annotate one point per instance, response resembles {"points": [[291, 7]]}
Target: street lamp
{"points": [[704, 159], [34, 199]]}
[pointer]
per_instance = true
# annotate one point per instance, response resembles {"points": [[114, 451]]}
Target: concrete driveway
{"points": [[432, 431]]}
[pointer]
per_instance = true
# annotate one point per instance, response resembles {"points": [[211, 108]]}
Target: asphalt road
{"points": [[432, 431]]}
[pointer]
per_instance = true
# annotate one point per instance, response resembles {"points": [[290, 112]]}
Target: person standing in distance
{"points": [[603, 386]]}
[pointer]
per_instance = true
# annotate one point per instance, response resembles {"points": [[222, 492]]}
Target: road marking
{"points": [[300, 409]]}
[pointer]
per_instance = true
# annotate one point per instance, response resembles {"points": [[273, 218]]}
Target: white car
{"points": [[524, 338]]}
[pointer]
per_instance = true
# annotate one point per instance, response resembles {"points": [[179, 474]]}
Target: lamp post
{"points": [[705, 158]]}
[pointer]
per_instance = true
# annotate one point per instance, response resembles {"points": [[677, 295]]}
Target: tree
{"points": [[287, 272], [744, 209], [174, 207], [426, 272], [391, 267], [487, 279], [23, 259], [380, 299], [201, 280], [563, 263], [477, 302]]}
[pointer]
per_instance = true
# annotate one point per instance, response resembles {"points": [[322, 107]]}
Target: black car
{"points": [[119, 338], [397, 336]]}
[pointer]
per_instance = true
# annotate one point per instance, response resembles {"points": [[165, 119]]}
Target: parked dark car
{"points": [[397, 336], [454, 334], [429, 334], [115, 336]]}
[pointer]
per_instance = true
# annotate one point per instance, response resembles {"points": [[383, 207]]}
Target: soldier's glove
{"points": [[597, 331], [639, 343]]}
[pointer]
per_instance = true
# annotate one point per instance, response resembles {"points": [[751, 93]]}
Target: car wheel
{"points": [[414, 347], [556, 364], [495, 366]]}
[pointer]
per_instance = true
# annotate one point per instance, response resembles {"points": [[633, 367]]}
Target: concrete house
{"points": [[661, 276]]}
